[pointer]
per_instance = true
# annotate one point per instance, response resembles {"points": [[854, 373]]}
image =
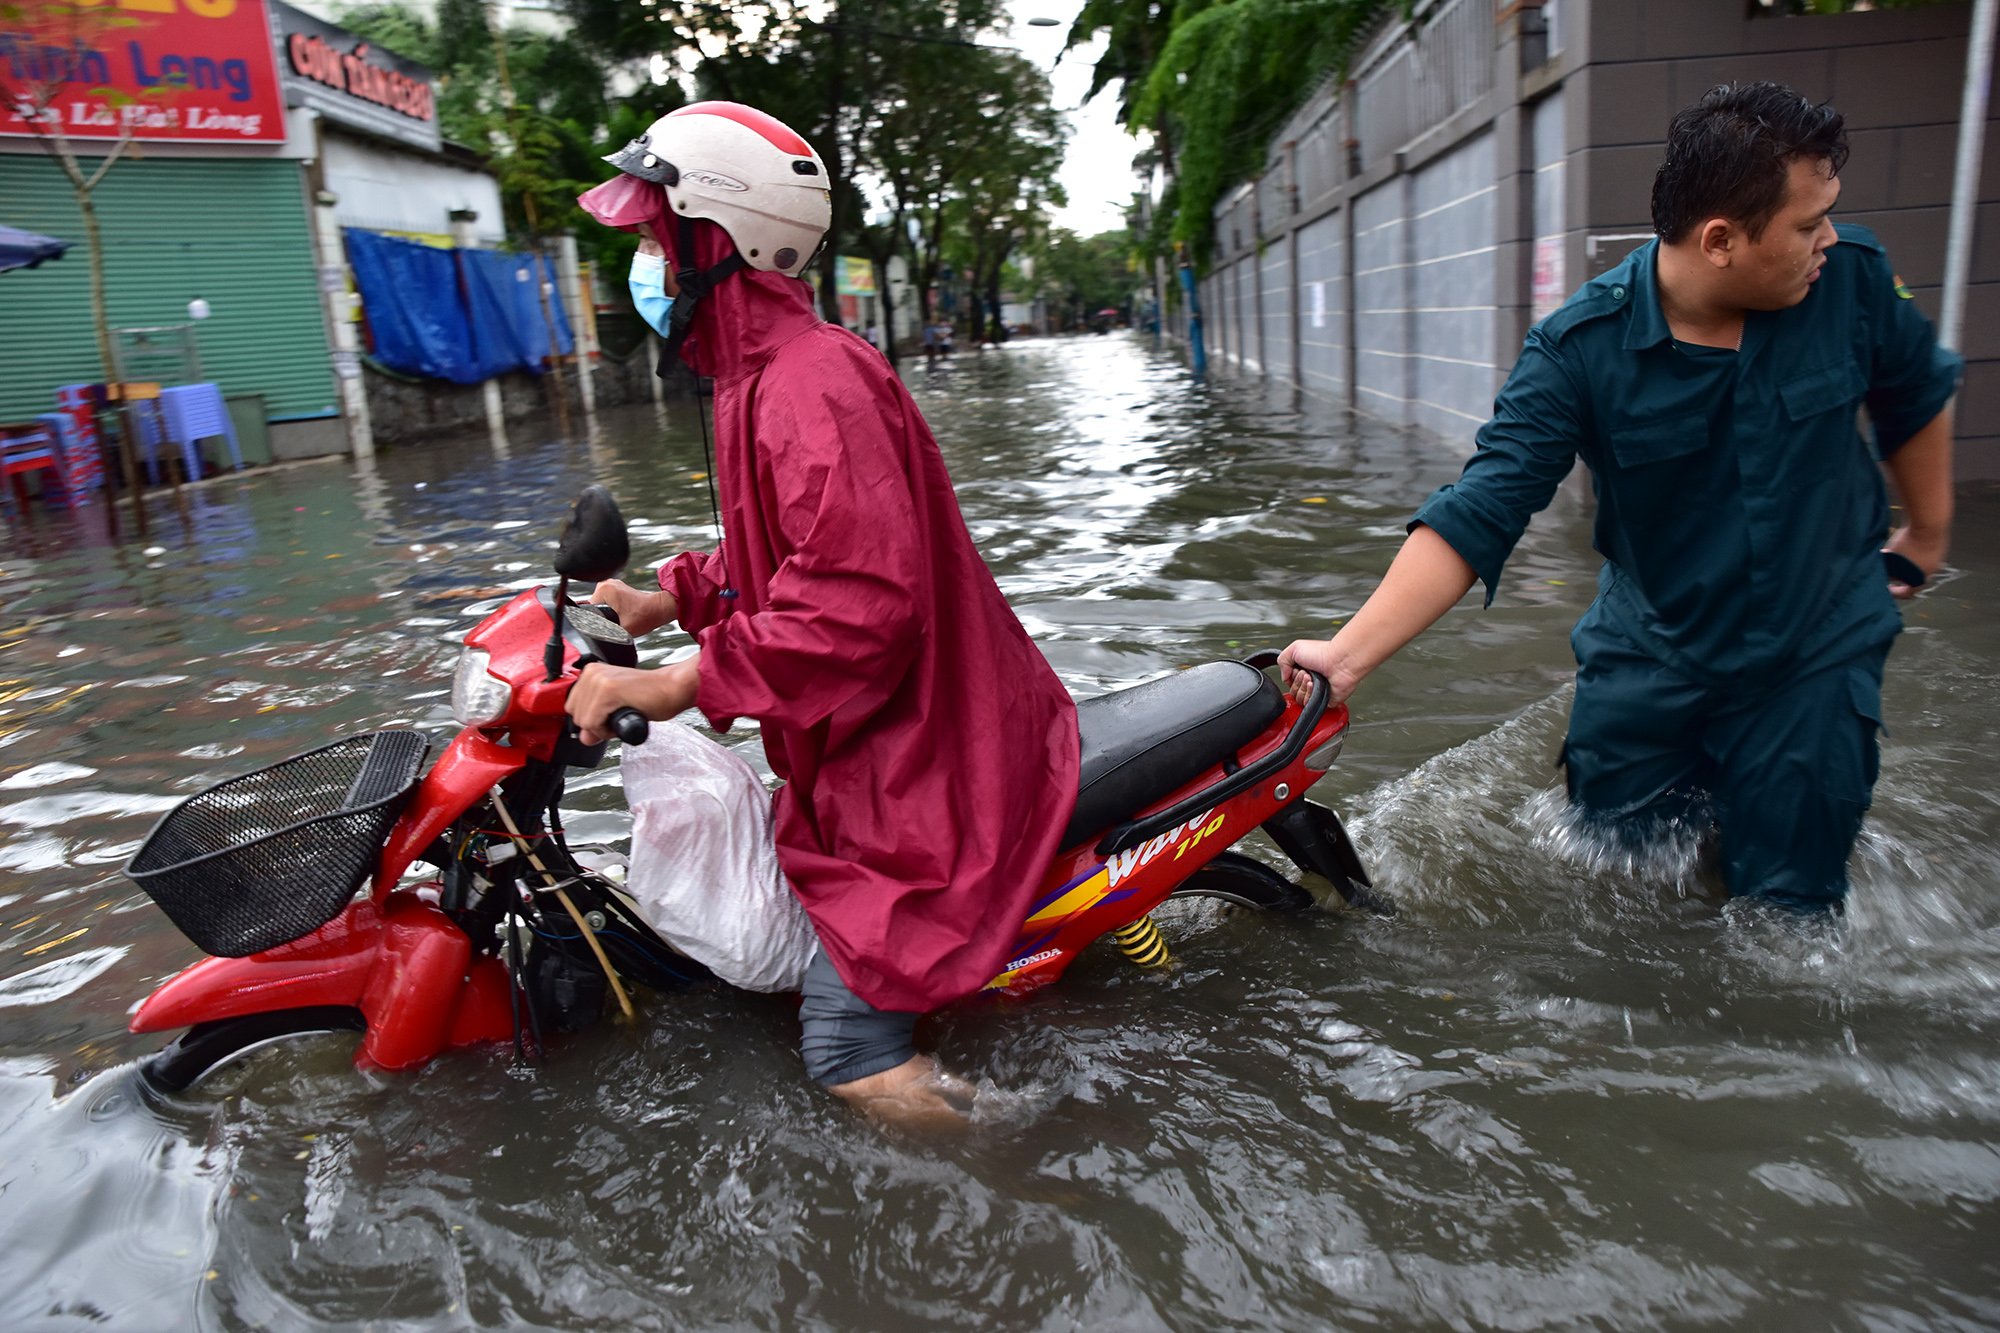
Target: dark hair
{"points": [[1730, 154]]}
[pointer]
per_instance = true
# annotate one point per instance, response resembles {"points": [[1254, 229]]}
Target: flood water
{"points": [[1559, 1090]]}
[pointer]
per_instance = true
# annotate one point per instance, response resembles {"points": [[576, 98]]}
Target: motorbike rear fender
{"points": [[1085, 895], [465, 772]]}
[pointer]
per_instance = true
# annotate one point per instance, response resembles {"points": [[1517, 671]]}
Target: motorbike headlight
{"points": [[476, 697]]}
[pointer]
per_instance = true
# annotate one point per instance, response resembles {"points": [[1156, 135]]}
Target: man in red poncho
{"points": [[929, 752]]}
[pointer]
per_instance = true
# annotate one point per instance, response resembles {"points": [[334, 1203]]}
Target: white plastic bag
{"points": [[704, 864]]}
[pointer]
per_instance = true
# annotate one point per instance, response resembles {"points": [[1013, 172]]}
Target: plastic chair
{"points": [[25, 449], [142, 401], [74, 489], [83, 455], [197, 412]]}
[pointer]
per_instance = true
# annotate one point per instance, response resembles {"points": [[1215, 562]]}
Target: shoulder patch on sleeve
{"points": [[1904, 291]]}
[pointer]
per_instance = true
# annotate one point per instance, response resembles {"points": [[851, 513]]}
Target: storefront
{"points": [[263, 130], [381, 154]]}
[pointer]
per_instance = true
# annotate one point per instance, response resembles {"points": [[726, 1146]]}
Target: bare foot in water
{"points": [[916, 1094]]}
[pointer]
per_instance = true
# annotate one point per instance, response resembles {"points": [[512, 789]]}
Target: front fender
{"points": [[466, 771], [329, 966]]}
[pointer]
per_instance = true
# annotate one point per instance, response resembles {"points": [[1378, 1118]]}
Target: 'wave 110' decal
{"points": [[1122, 864], [1096, 885]]}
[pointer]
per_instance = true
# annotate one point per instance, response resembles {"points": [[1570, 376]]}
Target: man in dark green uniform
{"points": [[1713, 383]]}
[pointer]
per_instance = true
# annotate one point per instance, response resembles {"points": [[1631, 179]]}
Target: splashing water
{"points": [[1569, 1085]]}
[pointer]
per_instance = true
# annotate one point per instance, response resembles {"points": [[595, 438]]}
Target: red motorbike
{"points": [[514, 936]]}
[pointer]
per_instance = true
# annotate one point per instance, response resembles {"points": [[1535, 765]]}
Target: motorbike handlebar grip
{"points": [[630, 725]]}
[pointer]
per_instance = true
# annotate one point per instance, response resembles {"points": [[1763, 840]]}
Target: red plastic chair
{"points": [[25, 449]]}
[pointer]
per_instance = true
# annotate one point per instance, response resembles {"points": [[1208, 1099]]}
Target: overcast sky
{"points": [[1097, 174]]}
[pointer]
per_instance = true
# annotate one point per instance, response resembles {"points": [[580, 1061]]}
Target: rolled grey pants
{"points": [[846, 1037]]}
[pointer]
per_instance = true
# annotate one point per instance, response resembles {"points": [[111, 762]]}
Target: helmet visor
{"points": [[624, 202]]}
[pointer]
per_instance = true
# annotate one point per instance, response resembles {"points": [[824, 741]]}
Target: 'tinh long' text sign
{"points": [[165, 69]]}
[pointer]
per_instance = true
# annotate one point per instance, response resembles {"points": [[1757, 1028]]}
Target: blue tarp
{"points": [[459, 315]]}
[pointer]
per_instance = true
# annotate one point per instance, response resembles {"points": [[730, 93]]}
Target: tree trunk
{"points": [[885, 291], [836, 180], [58, 146], [997, 326]]}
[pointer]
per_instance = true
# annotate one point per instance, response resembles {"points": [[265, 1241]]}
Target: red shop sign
{"points": [[187, 69]]}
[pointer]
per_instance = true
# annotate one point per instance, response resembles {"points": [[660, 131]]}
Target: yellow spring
{"points": [[1143, 943]]}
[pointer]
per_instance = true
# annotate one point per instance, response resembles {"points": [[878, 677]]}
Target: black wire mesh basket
{"points": [[269, 857]]}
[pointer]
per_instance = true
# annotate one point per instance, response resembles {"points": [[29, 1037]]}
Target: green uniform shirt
{"points": [[1740, 508]]}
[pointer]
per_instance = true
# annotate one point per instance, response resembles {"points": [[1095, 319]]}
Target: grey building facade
{"points": [[1485, 159]]}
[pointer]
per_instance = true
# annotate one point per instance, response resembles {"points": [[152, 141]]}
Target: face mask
{"points": [[649, 291]]}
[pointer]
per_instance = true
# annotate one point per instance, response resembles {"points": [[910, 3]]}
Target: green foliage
{"points": [[1003, 178], [1080, 275], [1219, 82], [545, 142], [1135, 31], [917, 118]]}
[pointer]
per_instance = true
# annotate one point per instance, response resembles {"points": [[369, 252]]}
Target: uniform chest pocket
{"points": [[1839, 385], [1643, 442]]}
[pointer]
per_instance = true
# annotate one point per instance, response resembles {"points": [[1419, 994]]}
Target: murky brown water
{"points": [[1556, 1091]]}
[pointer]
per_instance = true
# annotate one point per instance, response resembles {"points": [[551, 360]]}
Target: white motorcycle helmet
{"points": [[747, 172]]}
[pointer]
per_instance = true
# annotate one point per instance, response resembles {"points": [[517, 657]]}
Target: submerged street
{"points": [[1560, 1089]]}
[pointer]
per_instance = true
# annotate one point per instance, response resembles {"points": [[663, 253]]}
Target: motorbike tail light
{"points": [[477, 698], [1322, 759]]}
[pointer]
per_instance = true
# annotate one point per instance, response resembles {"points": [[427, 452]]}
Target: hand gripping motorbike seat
{"points": [[1142, 743]]}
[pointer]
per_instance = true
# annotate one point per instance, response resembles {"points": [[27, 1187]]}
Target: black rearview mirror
{"points": [[594, 546]]}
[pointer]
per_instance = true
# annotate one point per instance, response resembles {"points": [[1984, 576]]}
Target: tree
{"points": [[833, 75], [65, 34], [1081, 275], [535, 104], [965, 155], [1135, 32], [1224, 80], [997, 199]]}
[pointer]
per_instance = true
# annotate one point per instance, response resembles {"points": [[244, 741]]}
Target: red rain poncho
{"points": [[929, 752]]}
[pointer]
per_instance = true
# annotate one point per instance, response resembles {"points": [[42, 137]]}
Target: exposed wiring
{"points": [[590, 936]]}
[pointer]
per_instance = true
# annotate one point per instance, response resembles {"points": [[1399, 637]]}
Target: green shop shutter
{"points": [[232, 231]]}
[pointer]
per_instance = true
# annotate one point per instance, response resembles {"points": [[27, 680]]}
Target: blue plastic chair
{"points": [[196, 412]]}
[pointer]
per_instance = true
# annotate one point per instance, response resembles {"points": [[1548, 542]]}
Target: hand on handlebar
{"points": [[639, 611], [602, 690]]}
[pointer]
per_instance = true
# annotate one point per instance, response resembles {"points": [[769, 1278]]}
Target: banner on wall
{"points": [[854, 277], [193, 70]]}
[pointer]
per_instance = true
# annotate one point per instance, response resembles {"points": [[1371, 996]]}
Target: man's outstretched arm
{"points": [[1921, 471], [1426, 579]]}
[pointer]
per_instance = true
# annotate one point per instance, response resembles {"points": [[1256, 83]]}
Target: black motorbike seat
{"points": [[1142, 743]]}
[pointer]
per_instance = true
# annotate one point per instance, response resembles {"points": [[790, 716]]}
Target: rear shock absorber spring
{"points": [[1142, 942]]}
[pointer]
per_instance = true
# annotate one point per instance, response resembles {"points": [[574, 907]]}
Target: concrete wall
{"points": [[386, 188], [1322, 291], [1453, 244], [407, 413], [1896, 75], [1381, 302], [1408, 229]]}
